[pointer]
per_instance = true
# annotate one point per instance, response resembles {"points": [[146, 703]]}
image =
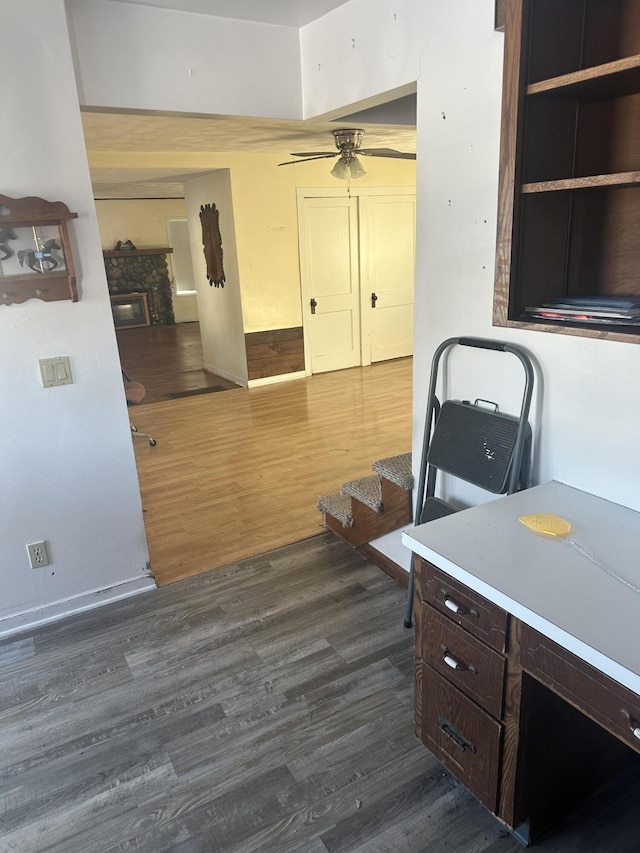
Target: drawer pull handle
{"points": [[634, 724], [454, 663], [455, 735], [453, 605]]}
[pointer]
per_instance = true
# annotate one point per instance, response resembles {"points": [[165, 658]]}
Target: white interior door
{"points": [[329, 255], [387, 229]]}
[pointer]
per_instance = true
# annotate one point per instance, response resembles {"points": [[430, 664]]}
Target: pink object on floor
{"points": [[134, 392]]}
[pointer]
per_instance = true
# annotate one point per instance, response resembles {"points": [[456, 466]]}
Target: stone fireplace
{"points": [[142, 271]]}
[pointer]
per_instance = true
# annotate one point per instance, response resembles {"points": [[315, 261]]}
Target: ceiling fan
{"points": [[348, 142]]}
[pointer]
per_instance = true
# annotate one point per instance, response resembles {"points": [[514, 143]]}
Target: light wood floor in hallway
{"points": [[239, 472]]}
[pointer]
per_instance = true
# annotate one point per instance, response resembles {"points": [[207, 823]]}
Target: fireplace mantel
{"points": [[137, 252]]}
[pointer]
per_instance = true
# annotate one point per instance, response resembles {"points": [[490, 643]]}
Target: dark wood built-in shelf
{"points": [[611, 80], [569, 203], [591, 182]]}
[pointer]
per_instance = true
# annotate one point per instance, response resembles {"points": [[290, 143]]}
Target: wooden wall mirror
{"points": [[35, 253]]}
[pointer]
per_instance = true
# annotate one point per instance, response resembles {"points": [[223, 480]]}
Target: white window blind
{"points": [[181, 257]]}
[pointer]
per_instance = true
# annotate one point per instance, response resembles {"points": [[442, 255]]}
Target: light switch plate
{"points": [[55, 371]]}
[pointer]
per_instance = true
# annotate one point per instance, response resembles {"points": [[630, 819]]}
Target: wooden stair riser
{"points": [[394, 496], [368, 524]]}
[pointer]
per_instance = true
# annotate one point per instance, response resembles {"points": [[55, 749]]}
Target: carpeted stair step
{"points": [[372, 506], [337, 506], [397, 469], [367, 490]]}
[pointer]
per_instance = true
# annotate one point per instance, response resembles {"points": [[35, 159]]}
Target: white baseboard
{"points": [[272, 380], [218, 371], [37, 616]]}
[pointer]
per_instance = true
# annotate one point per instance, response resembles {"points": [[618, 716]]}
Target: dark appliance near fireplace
{"points": [[130, 310]]}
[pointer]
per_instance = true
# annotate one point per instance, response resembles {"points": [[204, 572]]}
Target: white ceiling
{"points": [[288, 13], [124, 132], [387, 126]]}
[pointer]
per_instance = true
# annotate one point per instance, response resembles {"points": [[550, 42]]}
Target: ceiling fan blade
{"points": [[314, 154], [386, 152], [315, 157]]}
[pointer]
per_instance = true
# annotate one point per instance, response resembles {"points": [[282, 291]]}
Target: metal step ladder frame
{"points": [[520, 458]]}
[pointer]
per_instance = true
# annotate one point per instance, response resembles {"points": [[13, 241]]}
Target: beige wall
{"points": [[143, 221], [265, 217]]}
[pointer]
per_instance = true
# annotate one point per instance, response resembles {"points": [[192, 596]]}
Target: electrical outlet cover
{"points": [[38, 555]]}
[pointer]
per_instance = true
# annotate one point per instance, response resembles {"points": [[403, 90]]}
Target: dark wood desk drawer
{"points": [[462, 736], [479, 616], [604, 700], [462, 659]]}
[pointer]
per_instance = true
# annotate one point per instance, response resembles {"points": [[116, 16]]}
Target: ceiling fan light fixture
{"points": [[340, 170], [348, 166], [355, 167]]}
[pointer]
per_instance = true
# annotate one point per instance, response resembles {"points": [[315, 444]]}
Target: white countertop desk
{"points": [[545, 582]]}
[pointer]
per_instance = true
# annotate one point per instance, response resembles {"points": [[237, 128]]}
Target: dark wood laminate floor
{"points": [[266, 706], [166, 360]]}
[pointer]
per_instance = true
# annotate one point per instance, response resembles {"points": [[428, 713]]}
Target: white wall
{"points": [[219, 308], [68, 471], [363, 49], [140, 57], [587, 406]]}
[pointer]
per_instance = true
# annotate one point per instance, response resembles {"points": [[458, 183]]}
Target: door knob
{"points": [[313, 304], [374, 299]]}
